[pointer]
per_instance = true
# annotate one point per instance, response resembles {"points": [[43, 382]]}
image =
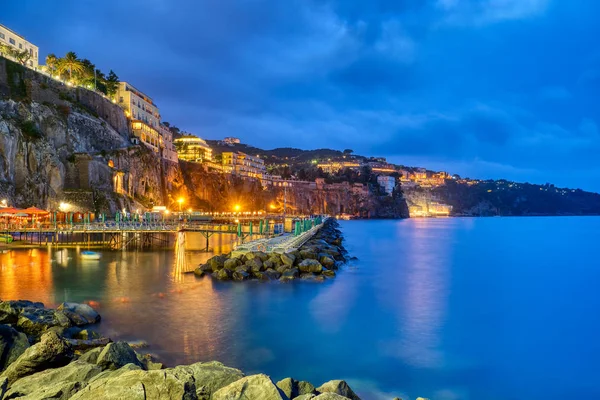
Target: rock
{"points": [[305, 397], [308, 254], [272, 274], [3, 387], [148, 362], [232, 263], [328, 273], [116, 355], [224, 274], [268, 264], [292, 388], [217, 262], [87, 334], [117, 372], [240, 274], [290, 275], [10, 310], [256, 265], [142, 385], [281, 269], [91, 356], [243, 267], [337, 387], [199, 272], [276, 260], [330, 396], [211, 376], [288, 259], [253, 255], [83, 345], [12, 345], [207, 268], [47, 384], [326, 260], [310, 266], [79, 314], [51, 352], [35, 321], [251, 387]]}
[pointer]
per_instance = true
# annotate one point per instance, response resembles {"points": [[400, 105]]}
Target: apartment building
{"points": [[12, 39]]}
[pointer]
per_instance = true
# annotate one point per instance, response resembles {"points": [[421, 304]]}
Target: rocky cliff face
{"points": [[56, 144]]}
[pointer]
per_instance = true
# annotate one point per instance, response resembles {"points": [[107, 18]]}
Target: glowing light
{"points": [[64, 206], [189, 210], [4, 203], [237, 207]]}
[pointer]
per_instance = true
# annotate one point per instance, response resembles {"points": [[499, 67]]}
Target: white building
{"points": [[137, 105], [168, 151], [388, 183], [18, 42]]}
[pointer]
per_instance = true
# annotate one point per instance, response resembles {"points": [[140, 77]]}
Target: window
{"points": [[11, 40], [21, 45], [1, 35], [31, 52]]}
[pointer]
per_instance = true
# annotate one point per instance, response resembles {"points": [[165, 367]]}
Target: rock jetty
{"points": [[315, 260], [42, 357]]}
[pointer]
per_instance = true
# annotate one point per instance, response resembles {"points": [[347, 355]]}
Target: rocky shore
{"points": [[316, 260], [54, 354]]}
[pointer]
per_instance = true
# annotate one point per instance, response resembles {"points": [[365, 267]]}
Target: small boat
{"points": [[90, 255], [4, 238]]}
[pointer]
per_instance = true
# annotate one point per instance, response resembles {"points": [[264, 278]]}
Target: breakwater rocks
{"points": [[316, 260], [40, 360]]}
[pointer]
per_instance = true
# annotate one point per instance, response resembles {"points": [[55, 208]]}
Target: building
{"points": [[244, 164], [388, 183], [137, 105], [192, 148], [18, 42], [381, 167], [146, 134], [231, 140], [334, 166], [168, 151]]}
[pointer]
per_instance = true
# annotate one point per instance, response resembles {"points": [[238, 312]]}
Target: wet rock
{"points": [[84, 345], [142, 385], [272, 274], [87, 334], [328, 273], [268, 264], [3, 387], [199, 272], [217, 262], [338, 387], [207, 269], [79, 314], [326, 260], [116, 355], [58, 383], [262, 256], [276, 260], [250, 387], [293, 388], [305, 397], [290, 275], [308, 254], [240, 274], [281, 269], [35, 321], [310, 266], [224, 274], [51, 352], [148, 362], [91, 356], [255, 265], [211, 376], [288, 259], [10, 310], [232, 263], [330, 396], [12, 345]]}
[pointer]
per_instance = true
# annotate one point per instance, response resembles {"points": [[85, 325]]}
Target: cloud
{"points": [[485, 12]]}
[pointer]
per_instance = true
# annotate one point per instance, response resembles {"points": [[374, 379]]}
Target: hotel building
{"points": [[143, 114], [18, 42], [168, 148], [192, 148], [388, 183], [244, 164]]}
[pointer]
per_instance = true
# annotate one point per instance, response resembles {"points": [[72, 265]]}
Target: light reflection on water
{"points": [[444, 309]]}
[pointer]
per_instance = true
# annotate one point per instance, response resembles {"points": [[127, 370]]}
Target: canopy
{"points": [[34, 211], [9, 210]]}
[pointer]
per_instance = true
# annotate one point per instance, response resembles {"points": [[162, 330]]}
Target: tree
{"points": [[20, 56], [112, 83], [348, 151], [51, 63], [70, 63]]}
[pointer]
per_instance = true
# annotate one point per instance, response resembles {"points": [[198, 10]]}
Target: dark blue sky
{"points": [[483, 88]]}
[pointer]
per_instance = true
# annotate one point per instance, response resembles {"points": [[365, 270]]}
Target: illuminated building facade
{"points": [[147, 135], [18, 42], [244, 164], [334, 166], [388, 183], [168, 151], [192, 148], [137, 105]]}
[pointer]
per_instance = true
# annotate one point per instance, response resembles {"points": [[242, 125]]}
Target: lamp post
{"points": [[180, 201]]}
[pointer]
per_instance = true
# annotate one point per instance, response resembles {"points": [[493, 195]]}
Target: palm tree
{"points": [[70, 63], [51, 63]]}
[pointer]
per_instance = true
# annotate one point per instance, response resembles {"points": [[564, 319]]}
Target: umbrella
{"points": [[34, 211], [21, 215], [10, 210]]}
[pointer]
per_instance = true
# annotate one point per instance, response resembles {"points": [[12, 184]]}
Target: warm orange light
{"points": [[237, 207], [272, 206], [180, 200]]}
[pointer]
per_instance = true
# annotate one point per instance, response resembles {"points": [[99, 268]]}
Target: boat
{"points": [[90, 255], [4, 238]]}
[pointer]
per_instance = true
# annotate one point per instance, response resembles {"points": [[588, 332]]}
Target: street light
{"points": [[180, 201], [64, 207], [237, 207], [4, 203]]}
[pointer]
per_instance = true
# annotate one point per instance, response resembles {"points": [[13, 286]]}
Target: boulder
{"points": [[35, 321], [305, 397], [250, 387], [51, 352], [288, 259], [211, 376], [330, 396], [224, 274], [10, 310], [272, 274], [326, 260], [243, 267], [260, 255], [308, 254], [293, 388], [232, 263], [217, 262], [281, 269], [91, 356], [310, 266], [328, 273], [87, 334], [64, 382], [290, 275], [276, 260], [116, 355], [3, 387], [12, 345], [79, 314], [240, 274], [148, 362], [268, 264], [255, 265], [199, 272], [142, 385], [337, 387], [207, 268]]}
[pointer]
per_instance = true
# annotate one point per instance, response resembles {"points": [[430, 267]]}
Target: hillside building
{"points": [[388, 183], [243, 164], [18, 42], [192, 148]]}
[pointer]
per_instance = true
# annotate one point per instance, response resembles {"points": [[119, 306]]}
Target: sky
{"points": [[483, 88]]}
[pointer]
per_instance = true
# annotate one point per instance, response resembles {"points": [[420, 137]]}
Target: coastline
{"points": [[56, 354]]}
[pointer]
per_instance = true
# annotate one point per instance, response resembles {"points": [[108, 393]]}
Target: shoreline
{"points": [[56, 354]]}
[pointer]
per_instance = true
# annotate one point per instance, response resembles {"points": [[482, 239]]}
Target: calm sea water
{"points": [[491, 308]]}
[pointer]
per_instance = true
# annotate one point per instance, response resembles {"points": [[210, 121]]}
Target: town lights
{"points": [[237, 207], [4, 203], [64, 206], [180, 201]]}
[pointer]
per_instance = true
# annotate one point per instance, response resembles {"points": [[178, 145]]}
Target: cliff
{"points": [[59, 143]]}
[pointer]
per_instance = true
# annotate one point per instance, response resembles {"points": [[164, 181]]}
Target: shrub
{"points": [[30, 129]]}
